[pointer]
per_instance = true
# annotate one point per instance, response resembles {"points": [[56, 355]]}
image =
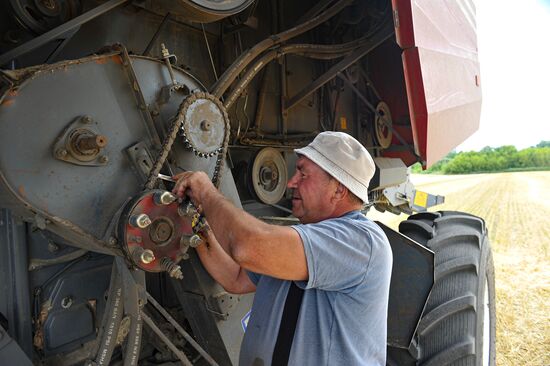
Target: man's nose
{"points": [[292, 182]]}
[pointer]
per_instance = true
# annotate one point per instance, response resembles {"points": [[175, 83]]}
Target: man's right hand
{"points": [[194, 185]]}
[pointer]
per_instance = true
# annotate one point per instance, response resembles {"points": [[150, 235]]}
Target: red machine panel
{"points": [[441, 69]]}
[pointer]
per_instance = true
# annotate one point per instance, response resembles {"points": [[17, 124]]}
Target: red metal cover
{"points": [[441, 67]]}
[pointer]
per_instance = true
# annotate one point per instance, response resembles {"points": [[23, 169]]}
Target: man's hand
{"points": [[195, 185]]}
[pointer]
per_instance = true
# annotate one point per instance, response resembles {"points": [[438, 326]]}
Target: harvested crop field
{"points": [[516, 208]]}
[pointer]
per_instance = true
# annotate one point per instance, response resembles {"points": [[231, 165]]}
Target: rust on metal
{"points": [[38, 340], [116, 59]]}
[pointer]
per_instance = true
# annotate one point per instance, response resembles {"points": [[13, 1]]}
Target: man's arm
{"points": [[273, 250], [223, 268]]}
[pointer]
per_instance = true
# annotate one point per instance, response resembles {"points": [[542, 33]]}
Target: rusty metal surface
{"points": [[71, 196]]}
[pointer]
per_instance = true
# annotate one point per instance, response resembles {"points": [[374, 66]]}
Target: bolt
{"points": [[164, 198], [87, 119], [67, 302], [205, 126], [61, 153], [141, 221], [103, 159], [186, 209], [195, 240], [147, 256], [164, 51], [112, 241], [172, 268], [52, 247]]}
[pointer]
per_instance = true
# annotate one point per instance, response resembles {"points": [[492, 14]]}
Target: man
{"points": [[340, 258]]}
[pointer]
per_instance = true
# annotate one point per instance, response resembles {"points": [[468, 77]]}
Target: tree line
{"points": [[489, 159]]}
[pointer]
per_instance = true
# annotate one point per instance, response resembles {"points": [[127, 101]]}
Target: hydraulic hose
{"points": [[322, 52], [132, 309], [219, 88], [111, 319]]}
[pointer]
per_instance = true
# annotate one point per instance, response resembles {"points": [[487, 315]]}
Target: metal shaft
{"points": [[179, 354], [178, 327]]}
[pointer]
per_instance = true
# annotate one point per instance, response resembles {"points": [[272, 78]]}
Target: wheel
{"points": [[269, 176], [458, 323]]}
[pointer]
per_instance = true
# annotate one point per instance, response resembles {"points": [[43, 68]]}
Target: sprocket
{"points": [[204, 123]]}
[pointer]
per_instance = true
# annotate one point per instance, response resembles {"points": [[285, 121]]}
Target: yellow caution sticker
{"points": [[343, 123], [420, 199]]}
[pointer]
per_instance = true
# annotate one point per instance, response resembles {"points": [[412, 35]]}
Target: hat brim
{"points": [[356, 187]]}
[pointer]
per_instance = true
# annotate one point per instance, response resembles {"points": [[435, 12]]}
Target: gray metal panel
{"points": [[389, 172], [14, 281], [411, 282], [30, 121], [87, 196]]}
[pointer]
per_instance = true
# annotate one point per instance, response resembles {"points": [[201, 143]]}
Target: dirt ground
{"points": [[516, 208]]}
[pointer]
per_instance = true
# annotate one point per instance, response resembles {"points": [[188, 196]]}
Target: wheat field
{"points": [[516, 208]]}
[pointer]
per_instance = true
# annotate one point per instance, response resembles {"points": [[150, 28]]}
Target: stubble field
{"points": [[516, 208]]}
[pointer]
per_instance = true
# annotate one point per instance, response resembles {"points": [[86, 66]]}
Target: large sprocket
{"points": [[204, 123]]}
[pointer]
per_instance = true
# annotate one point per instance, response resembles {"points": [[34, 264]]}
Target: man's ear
{"points": [[341, 192]]}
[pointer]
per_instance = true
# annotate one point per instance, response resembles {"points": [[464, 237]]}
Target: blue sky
{"points": [[514, 57]]}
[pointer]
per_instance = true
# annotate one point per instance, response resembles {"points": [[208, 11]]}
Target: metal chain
{"points": [[173, 133]]}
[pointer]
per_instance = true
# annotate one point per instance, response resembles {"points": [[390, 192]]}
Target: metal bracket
{"points": [[223, 302], [141, 159], [79, 132]]}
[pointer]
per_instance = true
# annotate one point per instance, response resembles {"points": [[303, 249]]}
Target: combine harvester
{"points": [[97, 98]]}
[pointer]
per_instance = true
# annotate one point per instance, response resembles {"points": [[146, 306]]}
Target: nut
{"points": [[195, 240], [67, 302], [61, 153]]}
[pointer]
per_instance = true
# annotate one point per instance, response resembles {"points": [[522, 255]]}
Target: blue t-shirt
{"points": [[343, 315]]}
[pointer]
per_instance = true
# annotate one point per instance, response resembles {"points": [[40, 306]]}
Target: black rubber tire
{"points": [[451, 330]]}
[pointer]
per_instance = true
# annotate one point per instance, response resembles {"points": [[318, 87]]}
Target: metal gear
{"points": [[214, 143], [204, 123]]}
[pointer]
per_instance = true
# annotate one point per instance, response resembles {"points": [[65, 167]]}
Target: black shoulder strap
{"points": [[281, 352]]}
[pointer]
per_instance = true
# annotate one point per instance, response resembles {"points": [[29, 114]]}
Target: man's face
{"points": [[313, 189]]}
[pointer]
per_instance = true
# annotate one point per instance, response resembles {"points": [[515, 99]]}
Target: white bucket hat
{"points": [[344, 158]]}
